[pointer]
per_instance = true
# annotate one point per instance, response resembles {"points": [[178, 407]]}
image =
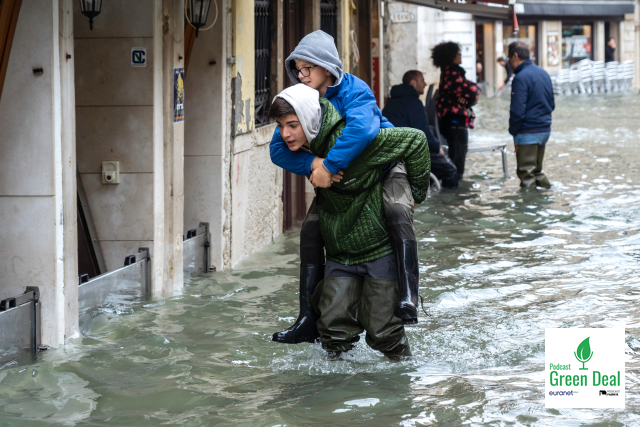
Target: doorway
{"points": [[293, 198]]}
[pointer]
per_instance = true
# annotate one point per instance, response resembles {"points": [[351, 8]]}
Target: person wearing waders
{"points": [[315, 63], [532, 103], [361, 273]]}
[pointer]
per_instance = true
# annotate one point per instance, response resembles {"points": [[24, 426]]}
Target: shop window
{"points": [[576, 44], [527, 35], [329, 17], [262, 14]]}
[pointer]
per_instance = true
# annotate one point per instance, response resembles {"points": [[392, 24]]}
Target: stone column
{"points": [[67, 168], [168, 147], [490, 58], [498, 38], [598, 41]]}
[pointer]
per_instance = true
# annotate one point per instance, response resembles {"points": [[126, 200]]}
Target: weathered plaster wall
{"points": [[243, 70], [400, 42], [256, 190], [114, 108]]}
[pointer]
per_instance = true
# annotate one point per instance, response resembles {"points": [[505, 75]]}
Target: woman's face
{"points": [[458, 59], [291, 132]]}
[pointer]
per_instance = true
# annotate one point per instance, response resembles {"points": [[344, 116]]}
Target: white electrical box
{"points": [[110, 172]]}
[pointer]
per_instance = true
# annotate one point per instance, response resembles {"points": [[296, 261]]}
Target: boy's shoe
{"points": [[408, 279], [304, 329]]}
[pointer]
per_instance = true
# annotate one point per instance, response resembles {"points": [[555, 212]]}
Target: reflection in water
{"points": [[498, 266]]}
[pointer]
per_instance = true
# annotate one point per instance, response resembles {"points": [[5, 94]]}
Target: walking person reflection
{"points": [[456, 95]]}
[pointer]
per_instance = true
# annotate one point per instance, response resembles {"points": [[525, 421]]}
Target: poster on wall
{"points": [[178, 95], [553, 49], [375, 65]]}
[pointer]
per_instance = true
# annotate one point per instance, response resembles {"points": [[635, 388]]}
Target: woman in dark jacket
{"points": [[456, 95]]}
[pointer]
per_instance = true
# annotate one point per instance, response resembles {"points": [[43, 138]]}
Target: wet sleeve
{"points": [[293, 161], [363, 125], [518, 106], [418, 120]]}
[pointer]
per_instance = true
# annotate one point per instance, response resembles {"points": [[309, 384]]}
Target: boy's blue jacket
{"points": [[355, 102], [531, 100]]}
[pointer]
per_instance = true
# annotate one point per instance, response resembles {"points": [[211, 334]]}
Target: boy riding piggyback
{"points": [[315, 63]]}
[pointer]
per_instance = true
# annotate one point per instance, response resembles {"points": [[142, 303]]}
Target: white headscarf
{"points": [[306, 102]]}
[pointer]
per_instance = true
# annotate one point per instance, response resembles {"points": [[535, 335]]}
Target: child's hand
{"points": [[337, 177], [321, 178]]}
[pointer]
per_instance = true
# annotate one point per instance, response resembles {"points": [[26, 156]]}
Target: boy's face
{"points": [[291, 132], [317, 77]]}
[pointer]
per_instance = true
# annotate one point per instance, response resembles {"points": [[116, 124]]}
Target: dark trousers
{"points": [[398, 209], [458, 140], [444, 169]]}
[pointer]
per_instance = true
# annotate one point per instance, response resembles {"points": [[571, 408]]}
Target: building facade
{"points": [[148, 130]]}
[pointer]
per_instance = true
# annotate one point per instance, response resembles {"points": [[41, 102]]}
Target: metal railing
{"points": [[20, 326], [195, 250]]}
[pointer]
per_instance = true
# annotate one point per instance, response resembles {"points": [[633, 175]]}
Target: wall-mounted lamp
{"points": [[91, 9], [198, 11]]}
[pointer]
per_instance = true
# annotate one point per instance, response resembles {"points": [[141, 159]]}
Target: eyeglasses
{"points": [[304, 70]]}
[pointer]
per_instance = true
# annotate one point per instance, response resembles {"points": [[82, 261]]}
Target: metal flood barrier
{"points": [[195, 250], [20, 325], [124, 285], [20, 315]]}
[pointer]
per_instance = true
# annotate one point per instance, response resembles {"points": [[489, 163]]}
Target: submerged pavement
{"points": [[498, 266]]}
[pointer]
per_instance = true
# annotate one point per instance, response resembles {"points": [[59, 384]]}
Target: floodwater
{"points": [[498, 266]]}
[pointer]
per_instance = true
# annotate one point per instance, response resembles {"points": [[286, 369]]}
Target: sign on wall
{"points": [[553, 49], [402, 17], [178, 95], [138, 57]]}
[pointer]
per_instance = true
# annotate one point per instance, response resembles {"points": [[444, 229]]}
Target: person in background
{"points": [[503, 61], [456, 95], [530, 115], [610, 50], [404, 109]]}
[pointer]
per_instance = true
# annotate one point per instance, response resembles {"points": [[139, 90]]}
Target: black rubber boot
{"points": [[304, 330], [408, 279]]}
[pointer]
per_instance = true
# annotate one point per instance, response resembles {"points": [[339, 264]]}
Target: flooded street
{"points": [[498, 266]]}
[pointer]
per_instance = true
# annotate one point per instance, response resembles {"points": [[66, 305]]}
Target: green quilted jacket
{"points": [[353, 226]]}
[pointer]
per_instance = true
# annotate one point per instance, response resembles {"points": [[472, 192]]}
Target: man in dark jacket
{"points": [[610, 50], [530, 115], [404, 109]]}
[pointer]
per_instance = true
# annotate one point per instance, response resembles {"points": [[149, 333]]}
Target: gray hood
{"points": [[320, 49]]}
